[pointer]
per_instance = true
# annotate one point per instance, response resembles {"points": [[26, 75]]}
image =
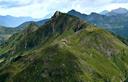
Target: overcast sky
{"points": [[45, 8]]}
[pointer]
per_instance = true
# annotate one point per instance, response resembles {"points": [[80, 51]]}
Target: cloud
{"points": [[120, 1], [14, 3], [46, 8]]}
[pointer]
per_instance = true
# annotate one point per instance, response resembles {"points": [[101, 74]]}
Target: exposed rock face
{"points": [[65, 49], [57, 13], [107, 21]]}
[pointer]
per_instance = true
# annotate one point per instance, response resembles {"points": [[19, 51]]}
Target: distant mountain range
{"points": [[6, 32], [104, 12], [39, 23], [118, 11], [63, 49], [115, 20], [11, 21]]}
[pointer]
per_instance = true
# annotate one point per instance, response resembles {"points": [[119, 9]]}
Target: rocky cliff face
{"points": [[65, 49]]}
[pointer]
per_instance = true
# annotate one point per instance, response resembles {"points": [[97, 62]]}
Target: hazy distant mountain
{"points": [[11, 21], [118, 11], [65, 49], [104, 12], [6, 32], [78, 14], [116, 21], [39, 23]]}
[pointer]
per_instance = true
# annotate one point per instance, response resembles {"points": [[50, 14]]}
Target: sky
{"points": [[46, 8]]}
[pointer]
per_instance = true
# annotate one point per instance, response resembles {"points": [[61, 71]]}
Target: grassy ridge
{"points": [[65, 49]]}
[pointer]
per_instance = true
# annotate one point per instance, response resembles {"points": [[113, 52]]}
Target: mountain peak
{"points": [[120, 11], [57, 13], [117, 11], [77, 14], [63, 50], [72, 10], [104, 12], [94, 14]]}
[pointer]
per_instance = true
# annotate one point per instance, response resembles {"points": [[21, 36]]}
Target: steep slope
{"points": [[52, 29], [118, 11], [116, 23], [16, 39], [65, 49], [39, 23], [77, 14], [5, 33]]}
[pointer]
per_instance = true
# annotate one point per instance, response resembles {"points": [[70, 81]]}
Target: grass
{"points": [[64, 52]]}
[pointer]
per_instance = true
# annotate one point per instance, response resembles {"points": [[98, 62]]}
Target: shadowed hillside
{"points": [[64, 49]]}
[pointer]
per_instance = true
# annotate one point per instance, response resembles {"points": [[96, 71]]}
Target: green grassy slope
{"points": [[5, 33], [65, 49]]}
